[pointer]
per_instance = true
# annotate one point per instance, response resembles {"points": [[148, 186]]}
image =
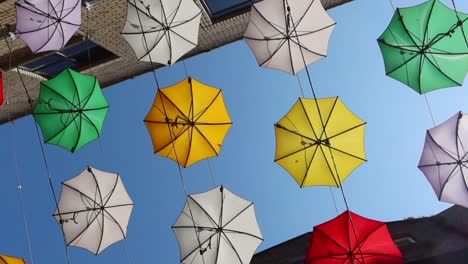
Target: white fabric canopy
{"points": [[288, 35], [217, 227], [162, 31], [444, 160], [94, 210]]}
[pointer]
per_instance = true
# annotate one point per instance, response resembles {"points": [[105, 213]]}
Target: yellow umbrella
{"points": [[188, 122], [317, 156], [11, 260]]}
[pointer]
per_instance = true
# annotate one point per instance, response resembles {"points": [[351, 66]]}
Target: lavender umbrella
{"points": [[47, 24], [444, 159]]}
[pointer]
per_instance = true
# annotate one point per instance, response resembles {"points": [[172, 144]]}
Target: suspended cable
{"points": [[300, 85], [323, 125], [48, 172], [170, 130], [430, 110], [18, 173]]}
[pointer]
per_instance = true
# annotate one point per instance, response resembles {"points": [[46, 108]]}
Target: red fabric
{"points": [[336, 242], [1, 88]]}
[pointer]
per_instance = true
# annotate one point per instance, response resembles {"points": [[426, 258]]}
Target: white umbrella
{"points": [[94, 210], [444, 160], [288, 35], [162, 31], [217, 227]]}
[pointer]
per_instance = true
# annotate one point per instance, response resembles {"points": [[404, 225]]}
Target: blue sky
{"points": [[388, 187]]}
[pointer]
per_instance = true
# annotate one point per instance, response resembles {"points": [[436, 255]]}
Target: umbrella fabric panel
{"points": [[288, 35], [162, 31], [11, 260], [47, 25]]}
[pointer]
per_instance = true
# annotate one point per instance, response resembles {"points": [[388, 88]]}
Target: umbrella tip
{"points": [[89, 169], [221, 188]]}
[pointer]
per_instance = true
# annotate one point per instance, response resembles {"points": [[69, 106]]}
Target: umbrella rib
{"points": [[198, 247], [443, 73], [450, 176], [333, 240], [308, 165], [268, 21], [295, 152], [324, 132], [60, 95], [410, 34], [111, 217], [329, 167], [308, 119], [90, 210], [440, 147], [347, 130], [173, 139], [84, 229], [65, 126], [364, 239], [81, 193], [197, 116], [87, 98], [349, 154], [294, 132], [102, 233], [184, 116], [231, 245], [241, 233], [203, 209], [235, 216], [206, 139]]}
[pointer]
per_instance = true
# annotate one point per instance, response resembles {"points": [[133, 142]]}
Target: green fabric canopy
{"points": [[71, 110], [426, 47]]}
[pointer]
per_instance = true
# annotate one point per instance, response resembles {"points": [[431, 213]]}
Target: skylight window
{"points": [[222, 9], [74, 57]]}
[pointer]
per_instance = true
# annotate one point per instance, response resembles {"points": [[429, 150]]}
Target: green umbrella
{"points": [[71, 110], [426, 47]]}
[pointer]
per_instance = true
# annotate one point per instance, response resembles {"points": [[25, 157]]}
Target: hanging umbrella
{"points": [[445, 157], [314, 155], [426, 47], [11, 260], [162, 31], [47, 24], [188, 122], [217, 227], [288, 35], [71, 110], [351, 238], [94, 210]]}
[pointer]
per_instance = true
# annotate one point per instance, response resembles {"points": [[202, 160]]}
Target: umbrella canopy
{"points": [[188, 122], [445, 157], [320, 142], [47, 24], [350, 239], [217, 227], [426, 47], [71, 110], [94, 210], [162, 31], [11, 260], [288, 35]]}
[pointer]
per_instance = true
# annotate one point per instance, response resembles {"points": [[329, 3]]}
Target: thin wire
{"points": [[49, 175], [126, 251], [208, 160], [325, 134], [300, 85], [18, 173], [430, 110], [334, 201], [170, 132]]}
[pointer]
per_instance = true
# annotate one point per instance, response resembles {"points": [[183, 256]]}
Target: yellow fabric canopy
{"points": [[314, 155], [11, 260], [188, 122]]}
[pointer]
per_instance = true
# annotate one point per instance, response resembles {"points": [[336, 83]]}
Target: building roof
{"points": [[106, 20], [442, 238]]}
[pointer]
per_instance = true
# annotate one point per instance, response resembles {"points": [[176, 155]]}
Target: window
{"points": [[75, 57], [223, 9], [404, 241]]}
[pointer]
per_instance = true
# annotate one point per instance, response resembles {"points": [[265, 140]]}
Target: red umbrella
{"points": [[352, 239]]}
